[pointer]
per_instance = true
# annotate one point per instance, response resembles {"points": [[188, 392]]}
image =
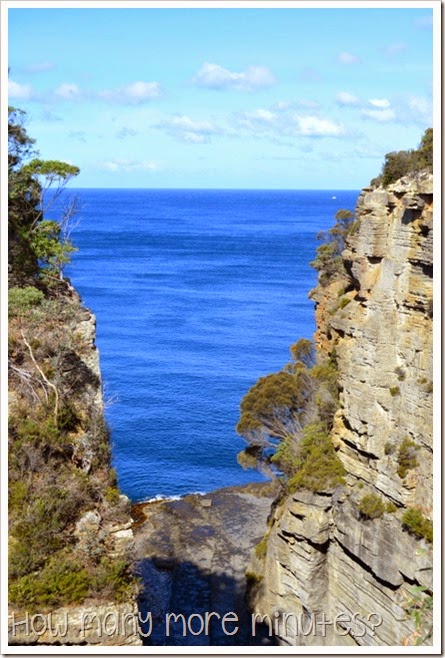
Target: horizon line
{"points": [[227, 189]]}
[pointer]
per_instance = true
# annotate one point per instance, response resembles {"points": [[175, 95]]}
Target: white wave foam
{"points": [[159, 497]]}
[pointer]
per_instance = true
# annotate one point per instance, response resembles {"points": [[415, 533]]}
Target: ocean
{"points": [[197, 294]]}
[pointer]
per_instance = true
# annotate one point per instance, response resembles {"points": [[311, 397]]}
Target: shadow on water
{"points": [[171, 589]]}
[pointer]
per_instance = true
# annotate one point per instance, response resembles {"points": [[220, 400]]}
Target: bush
{"points": [[21, 300], [371, 507], [416, 524], [400, 163], [328, 261], [261, 547], [63, 580], [406, 457], [318, 467], [394, 390]]}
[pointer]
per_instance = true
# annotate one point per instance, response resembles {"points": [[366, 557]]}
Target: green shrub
{"points": [[391, 507], [401, 163], [371, 506], [388, 448], [406, 457], [23, 299], [394, 390], [344, 302], [319, 468], [418, 525], [328, 261], [63, 580], [261, 547]]}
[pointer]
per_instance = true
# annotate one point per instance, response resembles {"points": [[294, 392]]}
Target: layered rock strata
{"points": [[367, 577]]}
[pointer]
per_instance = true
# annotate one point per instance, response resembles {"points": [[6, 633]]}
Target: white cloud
{"points": [[214, 76], [284, 120], [419, 104], [347, 58], [381, 103], [133, 93], [380, 115], [419, 110], [68, 91], [119, 165], [186, 129], [259, 120], [18, 91], [313, 126], [345, 98]]}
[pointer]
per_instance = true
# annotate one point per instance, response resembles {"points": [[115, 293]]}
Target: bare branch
{"points": [[44, 377]]}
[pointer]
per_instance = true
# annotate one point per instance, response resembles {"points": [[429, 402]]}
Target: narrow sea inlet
{"points": [[197, 293]]}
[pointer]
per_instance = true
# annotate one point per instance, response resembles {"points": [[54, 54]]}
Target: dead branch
{"points": [[44, 377]]}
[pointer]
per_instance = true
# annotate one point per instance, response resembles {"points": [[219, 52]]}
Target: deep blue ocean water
{"points": [[197, 293]]}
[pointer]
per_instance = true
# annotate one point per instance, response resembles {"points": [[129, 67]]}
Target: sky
{"points": [[281, 98]]}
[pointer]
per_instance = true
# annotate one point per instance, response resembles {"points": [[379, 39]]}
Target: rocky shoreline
{"points": [[192, 557]]}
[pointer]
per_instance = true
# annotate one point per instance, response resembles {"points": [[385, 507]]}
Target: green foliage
{"points": [[249, 457], [400, 163], [328, 261], [417, 524], [261, 547], [406, 457], [58, 463], [38, 247], [47, 246], [318, 467], [391, 507], [21, 300], [419, 608], [51, 171], [63, 580], [371, 506], [274, 407], [303, 352], [326, 376], [66, 580], [394, 390]]}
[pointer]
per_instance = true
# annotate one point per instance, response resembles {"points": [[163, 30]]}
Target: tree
{"points": [[274, 410], [38, 247], [328, 260], [401, 163]]}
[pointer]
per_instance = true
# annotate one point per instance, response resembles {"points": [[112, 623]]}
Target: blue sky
{"points": [[290, 98]]}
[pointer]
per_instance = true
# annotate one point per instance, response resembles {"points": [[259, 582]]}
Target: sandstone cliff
{"points": [[353, 556]]}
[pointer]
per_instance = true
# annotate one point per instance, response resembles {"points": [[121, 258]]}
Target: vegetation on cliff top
{"points": [[59, 452], [401, 163]]}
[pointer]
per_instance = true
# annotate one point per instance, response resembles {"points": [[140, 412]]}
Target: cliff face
{"points": [[360, 563], [70, 540]]}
